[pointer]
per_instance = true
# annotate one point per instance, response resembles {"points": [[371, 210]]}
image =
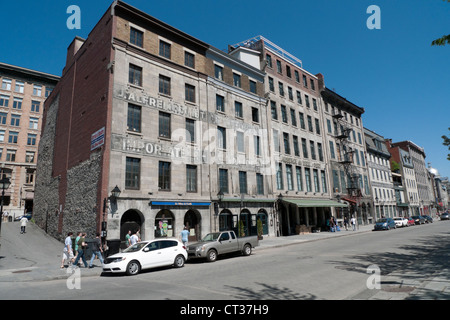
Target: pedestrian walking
{"points": [[346, 223], [184, 236], [81, 247], [23, 224], [134, 239], [96, 250], [353, 222], [127, 238], [67, 252]]}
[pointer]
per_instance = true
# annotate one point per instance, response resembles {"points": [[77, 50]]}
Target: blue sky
{"points": [[394, 73]]}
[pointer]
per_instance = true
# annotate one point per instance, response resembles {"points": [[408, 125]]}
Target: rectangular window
{"points": [[252, 86], [320, 151], [269, 60], [15, 120], [237, 80], [298, 171], [293, 117], [164, 85], [280, 176], [164, 125], [257, 142], [221, 138], [220, 103], [281, 88], [273, 108], [308, 179], [238, 112], [189, 91], [314, 104], [271, 85], [313, 87], [299, 97], [255, 115], [13, 137], [37, 90], [297, 76], [305, 82], [33, 123], [191, 178], [190, 130], [35, 106], [136, 37], [284, 114], [287, 148], [218, 72], [279, 66], [223, 180], [316, 180], [11, 155], [302, 120], [29, 178], [317, 125], [296, 147], [243, 182], [307, 101], [313, 150], [6, 84], [289, 177], [2, 135], [3, 116], [29, 156], [310, 124], [20, 87], [164, 49], [135, 75], [134, 118], [164, 176], [31, 140], [17, 104], [259, 183], [276, 140], [4, 101], [189, 60], [305, 149], [332, 154], [132, 173]]}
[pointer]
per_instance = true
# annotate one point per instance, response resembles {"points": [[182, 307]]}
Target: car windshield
{"points": [[211, 236], [135, 247], [382, 220]]}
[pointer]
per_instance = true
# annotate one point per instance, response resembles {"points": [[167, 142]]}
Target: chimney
{"points": [[72, 51]]}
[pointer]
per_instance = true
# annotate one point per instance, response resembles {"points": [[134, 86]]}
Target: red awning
{"points": [[348, 200]]}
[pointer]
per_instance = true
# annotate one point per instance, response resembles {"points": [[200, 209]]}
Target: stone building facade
{"points": [[22, 95], [378, 160], [349, 175]]}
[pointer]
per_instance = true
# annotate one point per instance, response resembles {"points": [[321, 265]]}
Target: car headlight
{"points": [[201, 248], [384, 224], [118, 259]]}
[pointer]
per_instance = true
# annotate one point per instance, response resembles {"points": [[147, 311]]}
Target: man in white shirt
{"points": [[134, 239], [23, 224]]}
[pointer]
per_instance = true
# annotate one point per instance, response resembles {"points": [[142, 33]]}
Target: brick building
{"points": [[154, 111], [22, 95]]}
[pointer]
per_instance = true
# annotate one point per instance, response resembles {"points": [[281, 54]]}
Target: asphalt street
{"points": [[417, 269]]}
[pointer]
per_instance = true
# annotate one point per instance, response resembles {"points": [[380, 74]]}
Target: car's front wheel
{"points": [[133, 268], [247, 250], [212, 255], [179, 261]]}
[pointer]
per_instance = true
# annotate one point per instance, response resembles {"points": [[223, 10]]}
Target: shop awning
{"points": [[321, 203], [179, 203]]}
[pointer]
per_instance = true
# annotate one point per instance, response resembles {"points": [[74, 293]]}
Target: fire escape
{"points": [[345, 158]]}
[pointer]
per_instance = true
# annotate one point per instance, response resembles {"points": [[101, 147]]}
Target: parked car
{"points": [[401, 222], [411, 221], [214, 244], [385, 224], [27, 215], [418, 219], [145, 255], [428, 219], [445, 216]]}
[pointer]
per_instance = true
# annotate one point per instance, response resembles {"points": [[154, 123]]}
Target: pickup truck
{"points": [[214, 244]]}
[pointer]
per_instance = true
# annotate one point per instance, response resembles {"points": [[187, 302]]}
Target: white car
{"points": [[146, 255], [401, 222]]}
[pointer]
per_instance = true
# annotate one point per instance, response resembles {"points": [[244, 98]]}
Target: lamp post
{"points": [[4, 184]]}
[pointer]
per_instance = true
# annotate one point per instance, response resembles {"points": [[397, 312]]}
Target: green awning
{"points": [[316, 203]]}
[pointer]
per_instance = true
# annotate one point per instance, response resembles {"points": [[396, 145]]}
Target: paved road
{"points": [[412, 261]]}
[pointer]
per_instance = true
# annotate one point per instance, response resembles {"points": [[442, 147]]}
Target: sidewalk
{"points": [[36, 256]]}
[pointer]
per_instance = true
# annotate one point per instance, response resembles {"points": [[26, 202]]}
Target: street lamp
{"points": [[220, 195], [115, 193], [4, 184]]}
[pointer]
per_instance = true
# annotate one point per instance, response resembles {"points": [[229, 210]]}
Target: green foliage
{"points": [[443, 40], [446, 143]]}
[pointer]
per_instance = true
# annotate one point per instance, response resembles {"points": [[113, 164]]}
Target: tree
{"points": [[443, 40], [446, 143]]}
